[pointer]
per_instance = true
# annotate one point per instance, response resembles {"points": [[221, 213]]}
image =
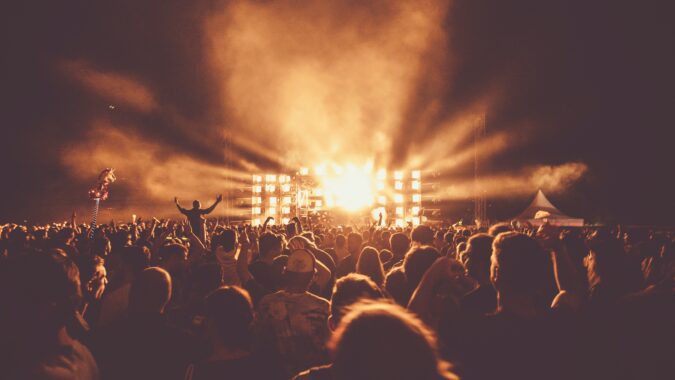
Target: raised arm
{"points": [[213, 206], [182, 210]]}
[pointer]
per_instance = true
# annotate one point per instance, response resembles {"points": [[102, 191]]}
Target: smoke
{"points": [[331, 81], [328, 81], [552, 179], [116, 88]]}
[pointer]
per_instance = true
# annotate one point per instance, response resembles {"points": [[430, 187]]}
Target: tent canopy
{"points": [[541, 210]]}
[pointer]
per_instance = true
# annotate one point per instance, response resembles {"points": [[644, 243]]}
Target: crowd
{"points": [[199, 299]]}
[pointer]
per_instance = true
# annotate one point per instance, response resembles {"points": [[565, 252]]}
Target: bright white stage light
{"points": [[415, 174], [399, 211], [286, 200], [382, 200], [398, 175], [270, 178], [286, 188], [273, 201], [398, 198], [256, 222], [304, 171], [415, 185], [417, 198], [271, 211], [351, 188], [257, 189], [398, 185]]}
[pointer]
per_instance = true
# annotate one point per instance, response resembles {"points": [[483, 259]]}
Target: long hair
{"points": [[369, 264]]}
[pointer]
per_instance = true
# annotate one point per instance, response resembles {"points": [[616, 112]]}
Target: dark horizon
{"points": [[573, 82]]}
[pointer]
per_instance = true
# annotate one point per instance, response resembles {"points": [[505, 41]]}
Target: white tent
{"points": [[541, 211]]}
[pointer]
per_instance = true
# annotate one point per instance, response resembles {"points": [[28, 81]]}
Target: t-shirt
{"points": [[297, 325]]}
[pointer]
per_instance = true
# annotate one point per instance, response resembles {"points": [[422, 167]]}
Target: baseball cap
{"points": [[300, 261]]}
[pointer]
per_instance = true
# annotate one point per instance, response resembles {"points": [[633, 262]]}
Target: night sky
{"points": [[585, 81]]}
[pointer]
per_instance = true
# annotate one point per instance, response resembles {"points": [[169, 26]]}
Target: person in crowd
{"points": [[293, 320], [422, 235], [130, 262], [362, 346], [402, 281], [230, 334], [341, 247], [400, 244], [348, 264], [369, 264], [196, 214], [40, 294], [347, 291], [143, 345], [174, 259], [476, 260], [498, 228]]}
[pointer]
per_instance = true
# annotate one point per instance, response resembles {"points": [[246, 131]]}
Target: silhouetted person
{"points": [[196, 214], [293, 320], [144, 346], [229, 331], [39, 294], [362, 346]]}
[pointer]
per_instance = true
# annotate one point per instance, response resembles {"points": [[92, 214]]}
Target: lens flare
{"points": [[350, 188]]}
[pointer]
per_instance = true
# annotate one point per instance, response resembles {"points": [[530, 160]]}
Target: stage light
{"points": [[417, 198], [285, 220], [415, 185], [286, 188], [273, 201], [398, 185], [284, 179], [380, 185], [318, 203], [257, 178], [256, 200], [304, 171], [271, 211], [400, 222], [416, 220], [318, 192], [399, 211], [285, 210], [286, 200], [398, 198], [320, 170], [398, 175], [270, 188], [415, 211], [257, 189], [270, 178], [255, 210], [350, 188], [415, 174], [382, 174], [382, 200], [256, 222]]}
